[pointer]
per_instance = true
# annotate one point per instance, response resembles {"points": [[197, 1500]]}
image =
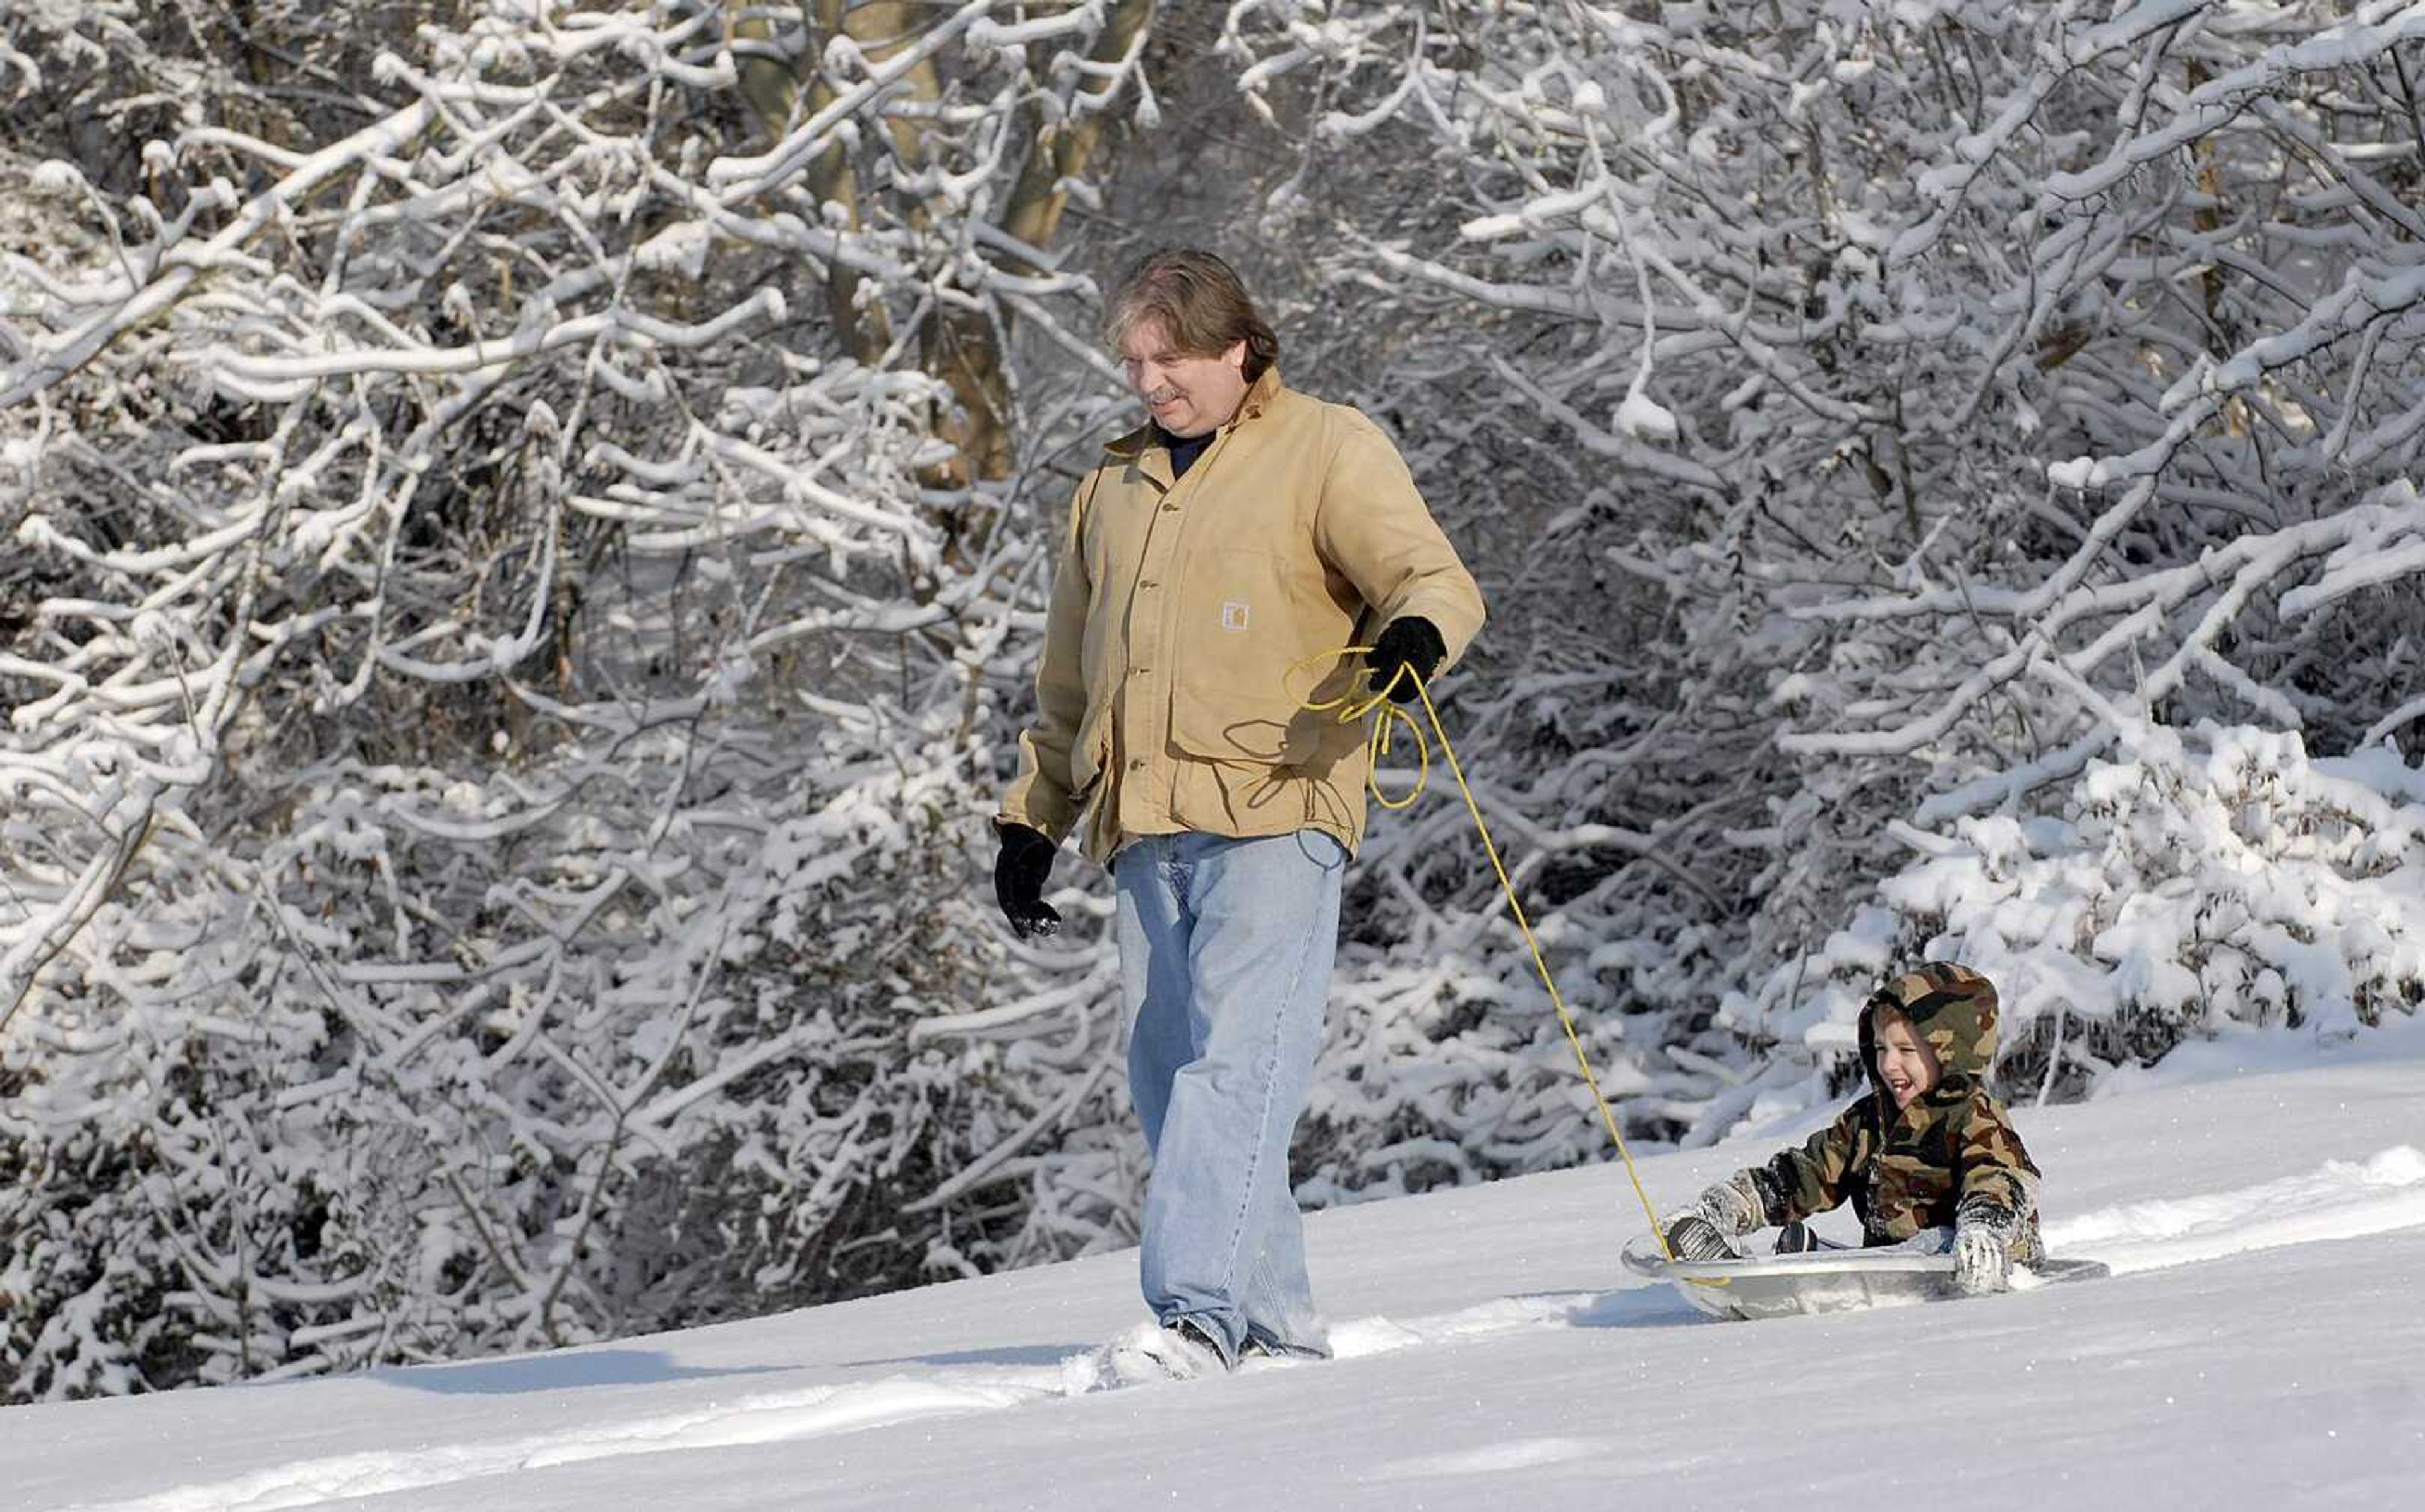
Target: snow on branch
{"points": [[494, 724], [1920, 405]]}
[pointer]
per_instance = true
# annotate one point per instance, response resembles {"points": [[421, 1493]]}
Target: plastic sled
{"points": [[1823, 1280]]}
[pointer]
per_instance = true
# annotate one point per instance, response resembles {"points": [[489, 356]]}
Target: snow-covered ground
{"points": [[2260, 1345]]}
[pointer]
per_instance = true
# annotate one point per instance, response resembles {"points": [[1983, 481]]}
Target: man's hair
{"points": [[1202, 306]]}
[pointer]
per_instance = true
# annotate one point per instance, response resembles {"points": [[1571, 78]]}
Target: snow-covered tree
{"points": [[1937, 399], [518, 527]]}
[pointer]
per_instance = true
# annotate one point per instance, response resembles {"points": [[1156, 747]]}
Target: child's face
{"points": [[1904, 1063]]}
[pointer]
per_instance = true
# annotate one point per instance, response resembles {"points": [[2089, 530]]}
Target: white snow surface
{"points": [[2258, 1346]]}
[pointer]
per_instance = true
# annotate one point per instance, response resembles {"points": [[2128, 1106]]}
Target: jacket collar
{"points": [[1261, 394]]}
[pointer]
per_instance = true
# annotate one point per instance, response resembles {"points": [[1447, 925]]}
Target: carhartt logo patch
{"points": [[1234, 616]]}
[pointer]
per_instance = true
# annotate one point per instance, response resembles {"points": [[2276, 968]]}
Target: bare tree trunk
{"points": [[773, 89], [963, 348]]}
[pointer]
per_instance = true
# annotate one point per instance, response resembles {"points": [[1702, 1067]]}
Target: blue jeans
{"points": [[1225, 948]]}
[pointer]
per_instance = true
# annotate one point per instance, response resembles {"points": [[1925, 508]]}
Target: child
{"points": [[1926, 1149]]}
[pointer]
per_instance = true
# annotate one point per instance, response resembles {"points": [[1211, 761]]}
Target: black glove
{"points": [[1410, 641], [1018, 872]]}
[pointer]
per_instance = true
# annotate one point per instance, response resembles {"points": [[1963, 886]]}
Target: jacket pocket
{"points": [[1252, 628], [1090, 754], [1237, 627], [1260, 731]]}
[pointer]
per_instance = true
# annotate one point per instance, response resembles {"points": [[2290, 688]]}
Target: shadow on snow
{"points": [[557, 1373]]}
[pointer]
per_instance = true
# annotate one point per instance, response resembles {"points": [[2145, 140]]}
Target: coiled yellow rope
{"points": [[1351, 709]]}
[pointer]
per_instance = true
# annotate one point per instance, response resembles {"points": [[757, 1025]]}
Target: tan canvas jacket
{"points": [[1165, 700]]}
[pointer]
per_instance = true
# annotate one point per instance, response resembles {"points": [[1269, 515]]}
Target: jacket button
{"points": [[1148, 583], [1137, 763], [1171, 509]]}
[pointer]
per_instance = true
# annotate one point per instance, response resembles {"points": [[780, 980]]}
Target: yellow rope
{"points": [[1378, 745]]}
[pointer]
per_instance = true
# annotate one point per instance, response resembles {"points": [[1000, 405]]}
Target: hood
{"points": [[1952, 1010]]}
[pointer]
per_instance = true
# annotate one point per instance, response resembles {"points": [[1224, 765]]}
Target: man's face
{"points": [[1187, 395]]}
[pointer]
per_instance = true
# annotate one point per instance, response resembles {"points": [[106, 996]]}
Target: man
{"points": [[1215, 559]]}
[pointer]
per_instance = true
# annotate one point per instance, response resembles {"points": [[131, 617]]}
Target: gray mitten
{"points": [[1983, 1247], [1734, 1206]]}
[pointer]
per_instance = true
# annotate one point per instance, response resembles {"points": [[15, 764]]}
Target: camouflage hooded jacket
{"points": [[1951, 1154]]}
